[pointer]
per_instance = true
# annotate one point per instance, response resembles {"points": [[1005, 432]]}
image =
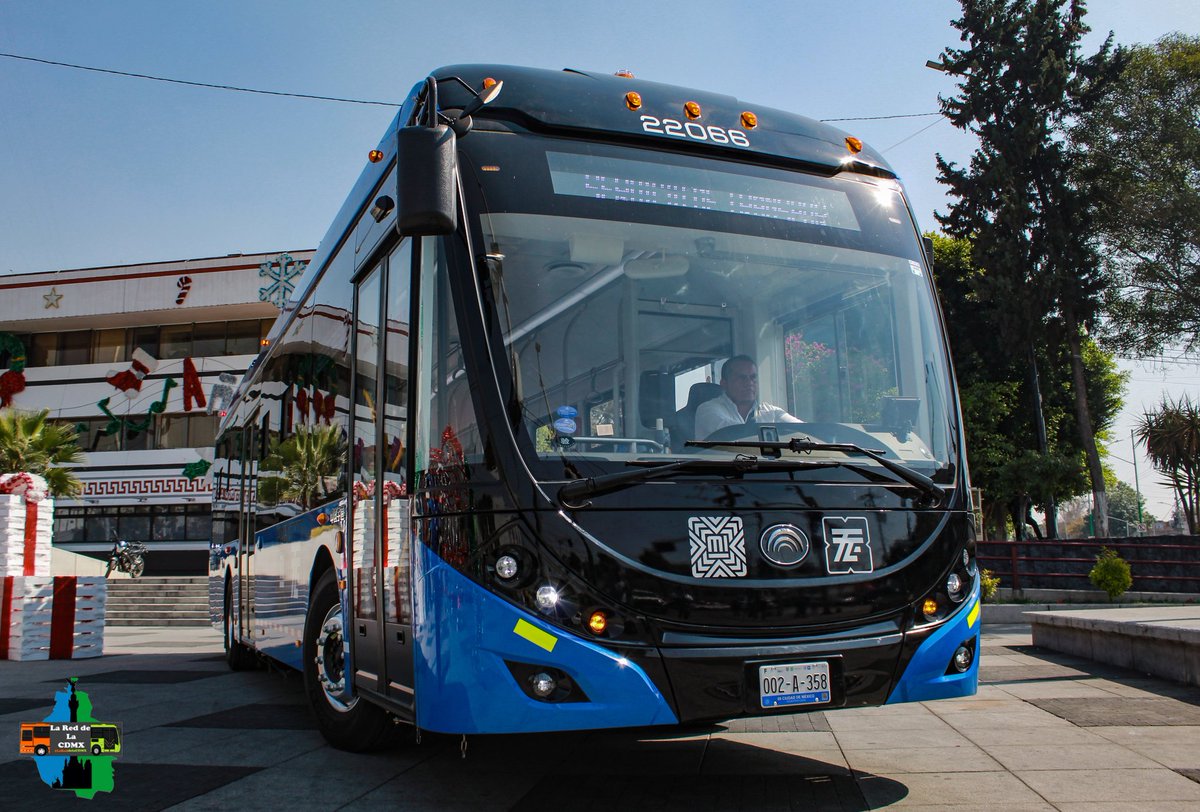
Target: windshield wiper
{"points": [[918, 480], [648, 470]]}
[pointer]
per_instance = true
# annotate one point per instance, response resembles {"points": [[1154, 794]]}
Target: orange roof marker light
{"points": [[853, 144], [692, 110], [489, 83], [749, 120], [375, 156], [624, 73], [633, 100]]}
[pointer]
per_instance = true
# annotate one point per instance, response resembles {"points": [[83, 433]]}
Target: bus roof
{"points": [[576, 100]]}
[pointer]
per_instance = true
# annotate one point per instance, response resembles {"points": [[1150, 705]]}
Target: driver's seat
{"points": [[685, 418]]}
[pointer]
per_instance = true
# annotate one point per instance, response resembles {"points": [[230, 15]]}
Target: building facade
{"points": [[141, 360]]}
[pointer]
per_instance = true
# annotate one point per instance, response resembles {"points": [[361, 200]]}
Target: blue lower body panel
{"points": [[925, 676], [463, 636]]}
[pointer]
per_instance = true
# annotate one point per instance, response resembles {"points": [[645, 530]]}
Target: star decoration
{"points": [[52, 299]]}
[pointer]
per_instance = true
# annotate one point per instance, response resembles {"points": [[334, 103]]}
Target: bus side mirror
{"points": [[425, 182]]}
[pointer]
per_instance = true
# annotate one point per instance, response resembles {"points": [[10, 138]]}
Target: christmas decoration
{"points": [[158, 407], [12, 381], [222, 393], [59, 618], [185, 285], [130, 380], [281, 272], [196, 469], [52, 299], [191, 386], [26, 524]]}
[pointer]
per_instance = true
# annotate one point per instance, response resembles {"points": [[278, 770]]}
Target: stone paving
{"points": [[1046, 731]]}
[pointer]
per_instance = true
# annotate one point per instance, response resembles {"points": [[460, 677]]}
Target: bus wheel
{"points": [[95, 749], [40, 750], [356, 724], [238, 656]]}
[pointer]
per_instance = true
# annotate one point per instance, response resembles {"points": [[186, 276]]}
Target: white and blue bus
{"points": [[605, 403]]}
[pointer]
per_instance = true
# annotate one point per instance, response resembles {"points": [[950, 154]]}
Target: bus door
{"points": [[395, 538], [365, 631], [246, 526], [381, 546]]}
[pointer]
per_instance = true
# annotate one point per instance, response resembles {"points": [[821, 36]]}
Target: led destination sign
{"points": [[663, 185]]}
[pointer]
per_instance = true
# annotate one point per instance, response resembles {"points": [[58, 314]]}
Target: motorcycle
{"points": [[128, 557]]}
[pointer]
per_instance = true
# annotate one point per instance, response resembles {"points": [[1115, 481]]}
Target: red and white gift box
{"points": [[26, 525], [59, 618]]}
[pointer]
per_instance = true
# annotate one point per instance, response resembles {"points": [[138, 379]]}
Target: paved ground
{"points": [[1046, 731]]}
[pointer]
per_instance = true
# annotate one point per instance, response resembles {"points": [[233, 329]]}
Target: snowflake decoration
{"points": [[281, 271]]}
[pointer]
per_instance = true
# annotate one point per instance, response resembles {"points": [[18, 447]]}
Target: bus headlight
{"points": [[506, 567], [547, 598], [955, 587]]}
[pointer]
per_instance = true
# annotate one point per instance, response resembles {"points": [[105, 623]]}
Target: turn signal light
{"points": [[633, 100], [691, 110], [375, 156], [930, 608], [598, 622], [853, 144]]}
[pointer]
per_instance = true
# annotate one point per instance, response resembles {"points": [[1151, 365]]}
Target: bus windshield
{"points": [[648, 298]]}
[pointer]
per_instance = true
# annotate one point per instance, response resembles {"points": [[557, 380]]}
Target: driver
{"points": [[738, 402]]}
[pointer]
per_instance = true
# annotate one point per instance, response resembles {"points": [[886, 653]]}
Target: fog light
{"points": [[543, 684], [930, 608], [954, 587], [547, 598], [962, 659], [598, 622], [506, 567]]}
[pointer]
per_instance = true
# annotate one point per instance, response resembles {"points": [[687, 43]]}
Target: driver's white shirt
{"points": [[721, 412]]}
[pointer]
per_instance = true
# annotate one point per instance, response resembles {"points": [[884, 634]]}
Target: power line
{"points": [[198, 84], [880, 118], [911, 137]]}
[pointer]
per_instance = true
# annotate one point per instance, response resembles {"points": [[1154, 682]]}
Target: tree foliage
{"points": [[30, 443], [1022, 80], [1172, 437], [997, 400], [1141, 168]]}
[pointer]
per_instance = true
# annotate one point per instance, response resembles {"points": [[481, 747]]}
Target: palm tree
{"points": [[30, 443], [1172, 437], [307, 461]]}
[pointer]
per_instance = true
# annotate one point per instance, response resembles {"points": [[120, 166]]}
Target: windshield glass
{"points": [[650, 298]]}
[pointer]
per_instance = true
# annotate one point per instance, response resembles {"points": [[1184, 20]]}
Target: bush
{"points": [[988, 584], [1111, 573]]}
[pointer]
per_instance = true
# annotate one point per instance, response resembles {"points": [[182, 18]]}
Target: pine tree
{"points": [[1022, 81]]}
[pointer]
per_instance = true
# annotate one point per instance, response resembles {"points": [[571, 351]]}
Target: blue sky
{"points": [[101, 170]]}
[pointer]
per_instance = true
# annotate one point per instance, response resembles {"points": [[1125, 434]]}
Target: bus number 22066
{"points": [[691, 129]]}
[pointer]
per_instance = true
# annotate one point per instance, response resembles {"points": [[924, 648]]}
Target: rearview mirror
{"points": [[425, 181]]}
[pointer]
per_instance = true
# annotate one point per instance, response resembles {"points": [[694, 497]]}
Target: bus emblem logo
{"points": [[718, 546], [847, 545], [784, 545]]}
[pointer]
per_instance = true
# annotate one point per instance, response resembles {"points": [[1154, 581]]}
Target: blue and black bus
{"points": [[465, 487]]}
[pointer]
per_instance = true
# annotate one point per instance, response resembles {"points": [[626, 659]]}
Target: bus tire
{"points": [[237, 655], [357, 726], [95, 749]]}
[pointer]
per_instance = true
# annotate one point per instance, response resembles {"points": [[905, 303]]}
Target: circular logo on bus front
{"points": [[784, 545]]}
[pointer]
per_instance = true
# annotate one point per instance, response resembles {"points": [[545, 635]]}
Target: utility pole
{"points": [[1137, 488]]}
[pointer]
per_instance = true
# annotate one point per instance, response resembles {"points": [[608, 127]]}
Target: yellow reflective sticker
{"points": [[535, 635], [973, 615]]}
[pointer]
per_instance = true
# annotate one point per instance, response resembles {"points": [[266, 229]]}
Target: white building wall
{"points": [[219, 289]]}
